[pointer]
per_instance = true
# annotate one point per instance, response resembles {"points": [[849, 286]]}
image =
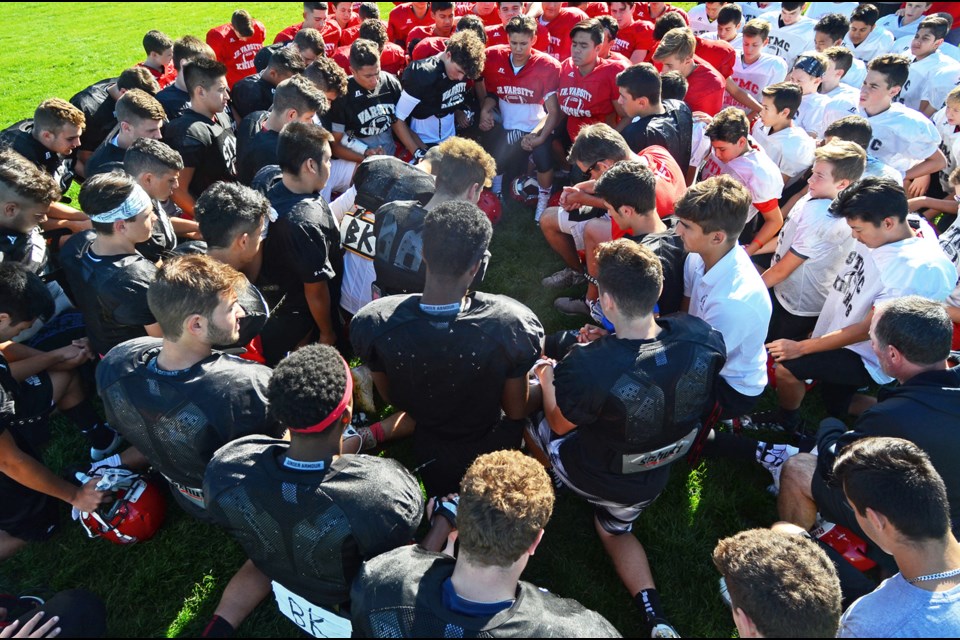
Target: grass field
{"points": [[170, 586]]}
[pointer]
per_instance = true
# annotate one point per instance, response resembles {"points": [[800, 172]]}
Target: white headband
{"points": [[136, 203]]}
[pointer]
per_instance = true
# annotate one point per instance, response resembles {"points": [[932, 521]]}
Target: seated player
{"points": [[434, 89], [108, 277], [98, 103], [507, 11], [302, 260], [899, 498], [314, 17], [139, 115], [557, 21], [26, 194], [734, 154], [676, 53], [857, 129], [653, 11], [364, 11], [812, 245], [729, 23], [472, 392], [232, 219], [843, 98], [442, 27], [462, 171], [766, 571], [526, 101], [433, 45], [723, 288], [829, 32], [789, 146], [203, 134], [905, 22], [703, 17], [915, 409], [346, 19], [375, 501], [307, 42], [31, 382], [718, 54], [939, 199], [791, 32], [807, 73], [175, 97], [296, 100], [159, 49], [505, 501], [754, 70], [888, 261], [617, 461], [392, 57], [255, 92], [929, 82], [864, 39], [406, 17], [634, 37], [653, 121], [236, 44]]}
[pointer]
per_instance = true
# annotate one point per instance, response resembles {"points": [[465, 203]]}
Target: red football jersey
{"points": [[719, 54], [705, 88], [402, 19], [558, 32], [671, 183], [163, 78], [587, 99], [497, 35], [419, 33], [521, 94], [620, 59], [491, 19], [642, 11], [428, 47], [236, 52], [638, 35], [393, 59], [349, 33], [330, 34], [593, 9]]}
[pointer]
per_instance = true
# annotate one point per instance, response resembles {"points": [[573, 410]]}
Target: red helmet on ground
{"points": [[136, 513], [490, 204]]}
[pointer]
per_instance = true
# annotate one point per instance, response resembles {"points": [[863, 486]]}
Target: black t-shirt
{"points": [[671, 130], [256, 146], [302, 247], [629, 397], [174, 101], [108, 157], [98, 111], [361, 113], [178, 419], [207, 146], [448, 371], [669, 248], [110, 291], [427, 81], [310, 530], [253, 93], [400, 595], [26, 249], [19, 137], [163, 238], [398, 228]]}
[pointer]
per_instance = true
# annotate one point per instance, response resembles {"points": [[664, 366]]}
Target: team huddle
{"points": [[743, 196]]}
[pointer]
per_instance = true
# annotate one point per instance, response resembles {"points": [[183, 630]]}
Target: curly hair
{"points": [[468, 52], [21, 177], [464, 162], [307, 386], [327, 76], [55, 113], [506, 499]]}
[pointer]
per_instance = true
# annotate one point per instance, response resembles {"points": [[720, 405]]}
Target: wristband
{"points": [[757, 242], [419, 154]]}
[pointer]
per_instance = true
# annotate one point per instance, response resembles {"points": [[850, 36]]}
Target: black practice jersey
{"points": [[671, 130], [207, 146], [256, 146], [630, 397], [669, 248], [108, 157], [26, 249], [178, 419], [448, 371], [400, 595], [398, 229], [253, 93], [110, 291], [98, 111], [163, 238], [302, 247], [310, 530], [361, 113], [427, 81], [19, 137], [174, 101]]}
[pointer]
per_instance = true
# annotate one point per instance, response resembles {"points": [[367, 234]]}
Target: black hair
{"points": [[872, 200], [455, 236], [835, 25], [226, 210], [202, 72], [147, 155], [307, 386], [23, 295], [628, 183], [666, 22], [918, 328], [299, 142]]}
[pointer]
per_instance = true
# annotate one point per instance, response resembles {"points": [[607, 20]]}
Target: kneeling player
{"points": [[328, 511], [660, 374]]}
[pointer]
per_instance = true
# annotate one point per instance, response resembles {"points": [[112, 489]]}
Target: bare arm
{"points": [[407, 138], [153, 330], [773, 220], [181, 195], [318, 299], [744, 98], [934, 163], [558, 424]]}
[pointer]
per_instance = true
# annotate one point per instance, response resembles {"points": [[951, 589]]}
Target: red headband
{"points": [[337, 411]]}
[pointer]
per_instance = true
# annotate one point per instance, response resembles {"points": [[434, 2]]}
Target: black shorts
{"points": [[832, 504], [784, 324], [733, 404], [29, 515], [34, 406], [840, 373]]}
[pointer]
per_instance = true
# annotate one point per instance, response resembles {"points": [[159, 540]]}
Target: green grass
{"points": [[170, 585]]}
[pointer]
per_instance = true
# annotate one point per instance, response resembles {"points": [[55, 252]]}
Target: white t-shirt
{"points": [[810, 114], [855, 75], [892, 23], [754, 170], [816, 10], [915, 266], [790, 41], [949, 144], [877, 43], [902, 45], [736, 43], [699, 22], [923, 73], [754, 78], [753, 10], [791, 149], [823, 241], [941, 83], [732, 298], [902, 137]]}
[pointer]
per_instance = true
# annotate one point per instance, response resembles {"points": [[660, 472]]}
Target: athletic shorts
{"points": [[615, 518], [840, 372], [575, 222]]}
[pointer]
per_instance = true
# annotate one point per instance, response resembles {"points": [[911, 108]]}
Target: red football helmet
{"points": [[490, 204], [852, 547], [135, 514]]}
